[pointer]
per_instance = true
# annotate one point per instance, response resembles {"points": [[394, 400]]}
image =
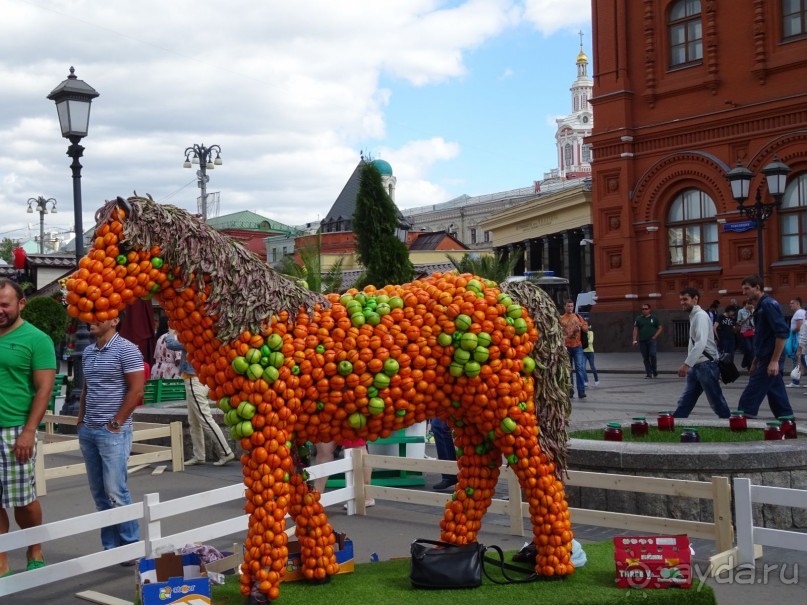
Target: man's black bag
{"points": [[458, 566], [728, 371]]}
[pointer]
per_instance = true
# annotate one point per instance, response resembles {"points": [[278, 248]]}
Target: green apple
{"points": [[508, 425], [481, 354], [253, 356], [344, 368], [463, 322], [469, 341], [391, 367], [456, 369], [376, 406], [444, 339], [527, 365], [396, 302], [472, 368], [246, 410], [240, 365], [514, 311], [462, 356], [245, 428], [224, 404], [383, 309], [381, 381], [520, 325], [255, 371], [274, 342], [276, 359], [271, 374], [357, 421]]}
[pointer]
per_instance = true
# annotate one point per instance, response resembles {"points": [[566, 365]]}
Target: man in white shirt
{"points": [[700, 367]]}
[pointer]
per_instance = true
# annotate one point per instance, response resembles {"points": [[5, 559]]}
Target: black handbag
{"points": [[439, 565], [725, 363], [447, 566]]}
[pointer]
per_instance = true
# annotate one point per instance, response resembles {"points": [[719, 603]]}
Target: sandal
{"points": [[35, 564]]}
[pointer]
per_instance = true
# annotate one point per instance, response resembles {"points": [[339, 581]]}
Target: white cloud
{"points": [[549, 16]]}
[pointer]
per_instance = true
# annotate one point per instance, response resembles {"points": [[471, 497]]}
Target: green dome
{"points": [[383, 167]]}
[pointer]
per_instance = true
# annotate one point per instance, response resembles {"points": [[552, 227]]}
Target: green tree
{"points": [[385, 257], [496, 268], [6, 246], [48, 315]]}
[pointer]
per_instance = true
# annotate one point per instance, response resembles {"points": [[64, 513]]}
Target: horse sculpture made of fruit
{"points": [[289, 366]]}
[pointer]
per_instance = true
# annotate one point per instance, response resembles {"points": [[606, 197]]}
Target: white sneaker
{"points": [[596, 383], [222, 461], [792, 386], [193, 462]]}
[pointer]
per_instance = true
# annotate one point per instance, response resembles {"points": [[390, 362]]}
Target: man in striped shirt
{"points": [[113, 387]]}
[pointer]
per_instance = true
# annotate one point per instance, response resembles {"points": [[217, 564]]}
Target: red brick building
{"points": [[683, 90]]}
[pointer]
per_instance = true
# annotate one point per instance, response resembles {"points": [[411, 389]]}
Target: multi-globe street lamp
{"points": [[73, 98], [740, 179], [40, 204], [201, 155]]}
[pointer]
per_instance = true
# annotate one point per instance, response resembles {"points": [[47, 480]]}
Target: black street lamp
{"points": [[41, 205], [73, 98], [199, 154], [740, 179]]}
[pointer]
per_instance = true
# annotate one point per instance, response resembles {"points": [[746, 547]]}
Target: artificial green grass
{"points": [[708, 434], [387, 583]]}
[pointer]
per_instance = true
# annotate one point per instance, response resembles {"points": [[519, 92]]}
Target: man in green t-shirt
{"points": [[646, 330], [27, 371]]}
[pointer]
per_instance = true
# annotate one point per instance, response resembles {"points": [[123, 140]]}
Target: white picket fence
{"points": [[150, 513], [748, 534]]}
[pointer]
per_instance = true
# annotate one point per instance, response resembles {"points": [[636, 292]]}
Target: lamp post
{"points": [[199, 154], [73, 98], [740, 179], [41, 205]]}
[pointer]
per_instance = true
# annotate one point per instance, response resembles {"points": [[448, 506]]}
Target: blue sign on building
{"points": [[739, 226]]}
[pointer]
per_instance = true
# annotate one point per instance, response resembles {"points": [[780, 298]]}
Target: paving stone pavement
{"points": [[389, 528]]}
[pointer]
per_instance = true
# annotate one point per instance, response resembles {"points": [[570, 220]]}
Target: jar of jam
{"points": [[613, 431], [789, 427], [690, 435], [666, 422], [773, 432], [737, 421], [639, 427]]}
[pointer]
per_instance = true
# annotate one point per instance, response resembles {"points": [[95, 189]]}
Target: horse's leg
{"points": [[544, 492], [478, 460], [313, 531], [267, 479]]}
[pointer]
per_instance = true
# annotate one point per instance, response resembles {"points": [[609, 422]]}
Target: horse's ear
{"points": [[124, 205]]}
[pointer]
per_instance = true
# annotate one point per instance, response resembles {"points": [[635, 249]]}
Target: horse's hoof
{"points": [[316, 582]]}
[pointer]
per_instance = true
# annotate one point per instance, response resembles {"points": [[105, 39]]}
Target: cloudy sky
{"points": [[459, 96]]}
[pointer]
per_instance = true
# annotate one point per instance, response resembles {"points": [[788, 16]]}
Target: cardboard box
{"points": [[170, 578], [653, 561], [343, 551]]}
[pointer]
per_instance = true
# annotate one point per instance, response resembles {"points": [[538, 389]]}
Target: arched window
{"points": [[686, 33], [587, 154], [567, 155], [692, 229], [793, 218]]}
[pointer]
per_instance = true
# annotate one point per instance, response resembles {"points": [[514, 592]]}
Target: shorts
{"points": [[17, 481]]}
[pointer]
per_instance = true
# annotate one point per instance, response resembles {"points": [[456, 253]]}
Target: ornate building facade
{"points": [[684, 90]]}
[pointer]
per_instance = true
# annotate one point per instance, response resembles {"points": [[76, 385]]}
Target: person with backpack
{"points": [[573, 326]]}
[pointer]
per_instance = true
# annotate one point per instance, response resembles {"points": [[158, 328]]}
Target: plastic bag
{"points": [[796, 373]]}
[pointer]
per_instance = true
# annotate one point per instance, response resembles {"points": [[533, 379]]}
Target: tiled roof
{"points": [[430, 241], [250, 221]]}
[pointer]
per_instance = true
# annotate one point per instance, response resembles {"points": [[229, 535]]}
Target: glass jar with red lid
{"points": [[613, 431], [789, 427], [737, 421], [665, 421], [773, 432], [639, 426]]}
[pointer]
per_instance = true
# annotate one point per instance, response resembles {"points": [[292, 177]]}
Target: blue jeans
{"points": [[579, 366], [703, 377], [105, 455], [589, 355], [444, 443], [759, 385], [648, 349]]}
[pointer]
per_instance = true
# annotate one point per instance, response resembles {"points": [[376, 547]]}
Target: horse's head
{"points": [[115, 271]]}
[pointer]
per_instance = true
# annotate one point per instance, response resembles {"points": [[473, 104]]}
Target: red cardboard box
{"points": [[653, 561]]}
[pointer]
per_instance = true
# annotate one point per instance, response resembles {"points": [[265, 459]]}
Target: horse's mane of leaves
{"points": [[245, 292]]}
